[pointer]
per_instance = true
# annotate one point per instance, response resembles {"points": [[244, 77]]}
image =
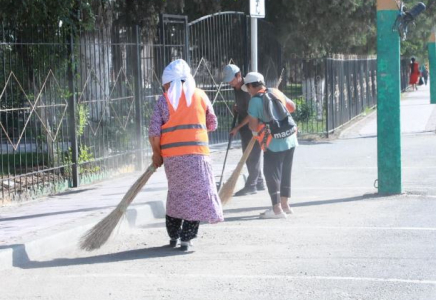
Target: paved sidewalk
{"points": [[417, 116], [50, 223]]}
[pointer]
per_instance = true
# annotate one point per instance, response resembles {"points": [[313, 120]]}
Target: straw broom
{"points": [[100, 233], [226, 192]]}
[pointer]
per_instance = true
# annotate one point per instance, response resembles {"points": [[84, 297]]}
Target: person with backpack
{"points": [[270, 120], [254, 183], [424, 73]]}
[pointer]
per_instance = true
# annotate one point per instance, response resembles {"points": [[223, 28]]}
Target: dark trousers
{"points": [[277, 167], [178, 228], [253, 161]]}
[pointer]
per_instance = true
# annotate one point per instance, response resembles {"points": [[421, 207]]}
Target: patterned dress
{"points": [[192, 193]]}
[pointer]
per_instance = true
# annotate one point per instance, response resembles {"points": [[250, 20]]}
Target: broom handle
{"points": [[227, 152], [135, 188]]}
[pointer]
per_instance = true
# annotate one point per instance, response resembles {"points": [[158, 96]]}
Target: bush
{"points": [[303, 112]]}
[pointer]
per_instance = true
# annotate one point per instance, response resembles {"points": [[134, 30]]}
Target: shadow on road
{"points": [[309, 203], [154, 252], [340, 200]]}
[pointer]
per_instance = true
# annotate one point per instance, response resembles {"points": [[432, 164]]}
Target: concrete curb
{"points": [[22, 255]]}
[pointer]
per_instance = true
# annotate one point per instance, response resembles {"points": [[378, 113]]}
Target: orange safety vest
{"points": [[263, 135], [185, 132]]}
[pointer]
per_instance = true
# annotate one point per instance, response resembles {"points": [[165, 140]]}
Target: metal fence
{"points": [[226, 42], [304, 83], [329, 92], [351, 87], [75, 107], [405, 73], [222, 38]]}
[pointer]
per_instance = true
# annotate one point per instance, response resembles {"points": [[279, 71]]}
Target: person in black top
{"points": [[255, 182]]}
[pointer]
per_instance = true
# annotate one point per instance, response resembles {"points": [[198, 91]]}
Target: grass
{"points": [[10, 163], [293, 90]]}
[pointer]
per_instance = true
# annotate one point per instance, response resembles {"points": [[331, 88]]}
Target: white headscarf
{"points": [[175, 72]]}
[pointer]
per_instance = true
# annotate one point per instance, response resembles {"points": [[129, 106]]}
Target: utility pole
{"points": [[432, 65], [257, 10], [388, 99], [253, 22]]}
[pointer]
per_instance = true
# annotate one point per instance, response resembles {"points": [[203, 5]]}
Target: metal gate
{"points": [[222, 38]]}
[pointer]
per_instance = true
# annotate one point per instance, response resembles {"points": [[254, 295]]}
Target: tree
{"points": [[418, 34]]}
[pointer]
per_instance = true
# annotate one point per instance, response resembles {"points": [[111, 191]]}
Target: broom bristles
{"points": [[226, 191], [98, 235]]}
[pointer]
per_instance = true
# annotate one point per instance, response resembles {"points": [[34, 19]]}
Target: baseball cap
{"points": [[252, 77], [229, 72]]}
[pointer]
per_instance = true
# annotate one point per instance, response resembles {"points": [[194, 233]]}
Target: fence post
{"points": [[332, 92], [163, 38], [138, 102], [187, 54], [72, 115], [246, 49]]}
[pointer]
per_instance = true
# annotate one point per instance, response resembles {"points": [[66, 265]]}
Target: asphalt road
{"points": [[343, 242]]}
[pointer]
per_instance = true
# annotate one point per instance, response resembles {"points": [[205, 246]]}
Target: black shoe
{"points": [[260, 186], [173, 243], [186, 246], [245, 191]]}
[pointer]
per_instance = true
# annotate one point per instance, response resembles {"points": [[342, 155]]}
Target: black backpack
{"points": [[276, 116]]}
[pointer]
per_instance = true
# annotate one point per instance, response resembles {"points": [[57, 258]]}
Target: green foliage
{"points": [[418, 34], [320, 27], [315, 27], [85, 160], [49, 13], [303, 112], [81, 118]]}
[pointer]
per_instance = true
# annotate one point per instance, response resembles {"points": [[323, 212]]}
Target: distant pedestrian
{"points": [[424, 73], [279, 150], [254, 183], [178, 130], [414, 74]]}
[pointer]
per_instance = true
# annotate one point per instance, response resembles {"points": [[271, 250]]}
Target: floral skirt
{"points": [[192, 193]]}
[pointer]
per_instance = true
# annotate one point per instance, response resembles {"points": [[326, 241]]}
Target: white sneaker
{"points": [[269, 214]]}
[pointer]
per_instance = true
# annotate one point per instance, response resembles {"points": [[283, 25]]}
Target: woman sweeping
{"points": [[178, 134]]}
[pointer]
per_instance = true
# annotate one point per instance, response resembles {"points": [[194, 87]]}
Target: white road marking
{"points": [[369, 187], [286, 226], [361, 168], [244, 276], [267, 227]]}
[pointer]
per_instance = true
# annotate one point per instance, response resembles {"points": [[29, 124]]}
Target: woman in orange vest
{"points": [[178, 129]]}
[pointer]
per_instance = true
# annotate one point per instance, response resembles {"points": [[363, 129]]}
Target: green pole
{"points": [[432, 67], [388, 100]]}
